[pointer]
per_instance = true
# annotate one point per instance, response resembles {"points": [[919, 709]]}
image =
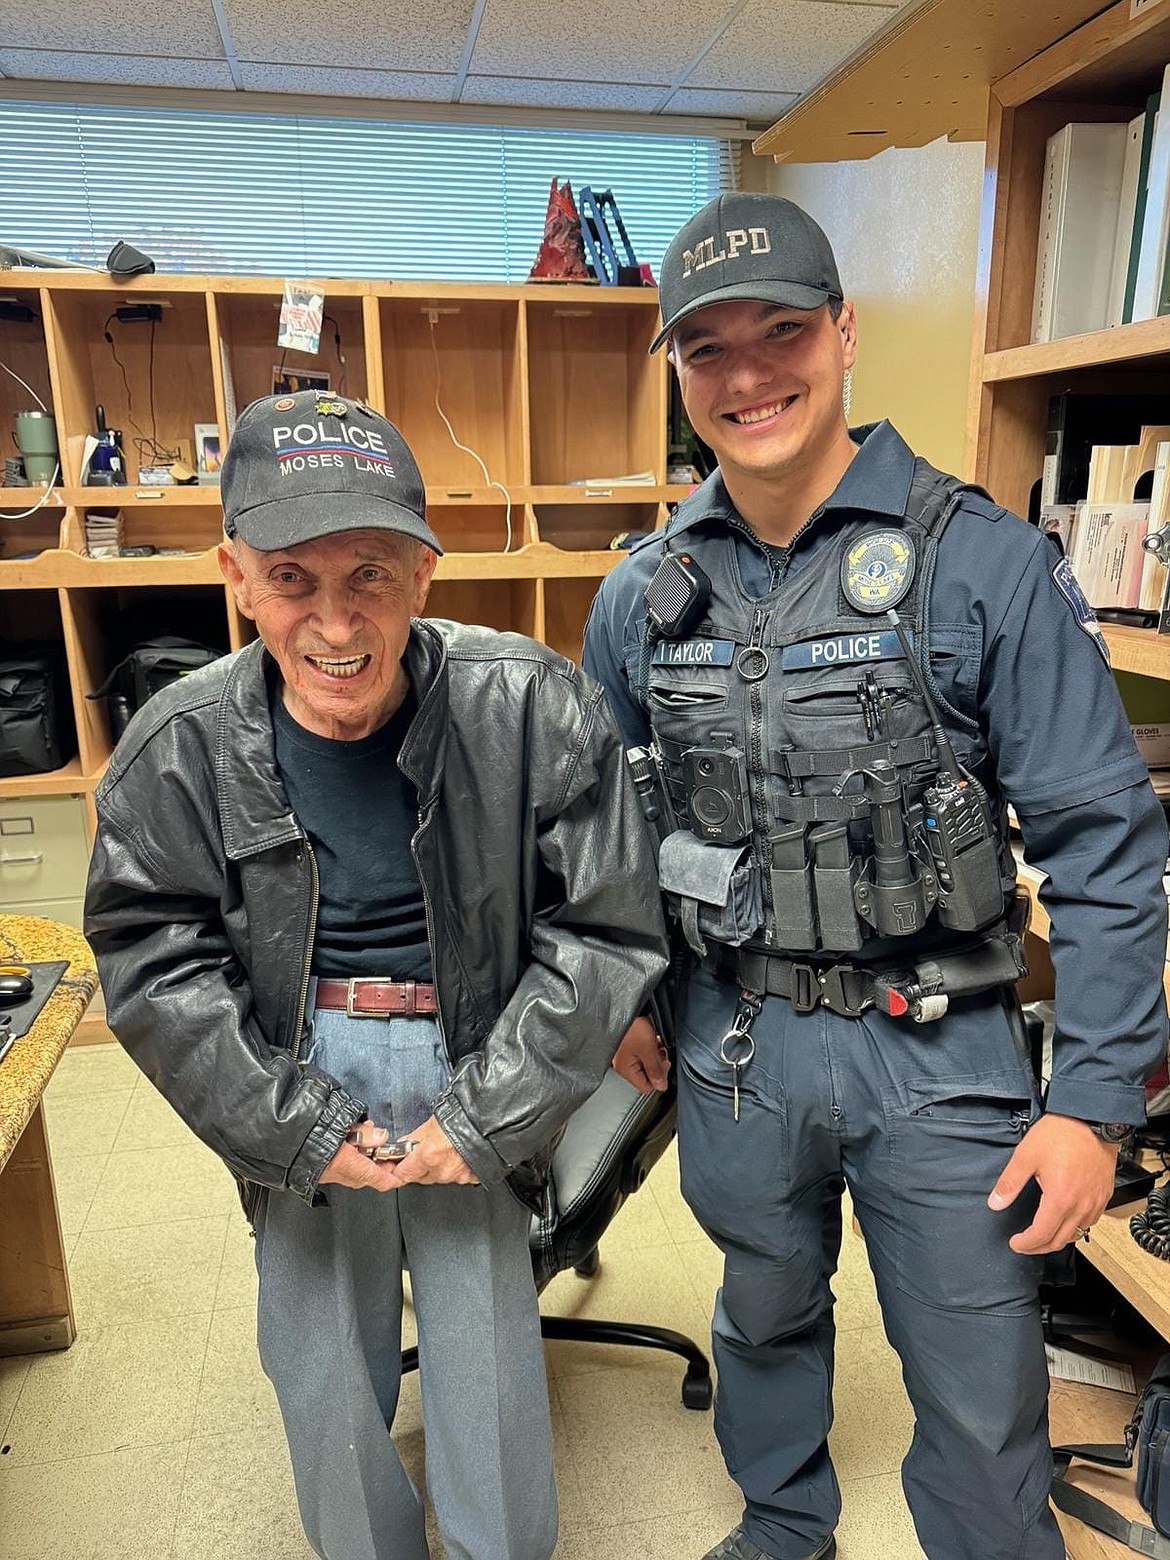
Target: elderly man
{"points": [[841, 868], [374, 878]]}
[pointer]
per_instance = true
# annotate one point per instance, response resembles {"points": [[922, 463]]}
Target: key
{"points": [[737, 1047]]}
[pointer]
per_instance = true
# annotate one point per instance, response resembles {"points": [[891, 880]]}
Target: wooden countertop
{"points": [[29, 1065]]}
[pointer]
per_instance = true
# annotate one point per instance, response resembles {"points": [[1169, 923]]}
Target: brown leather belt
{"points": [[372, 997]]}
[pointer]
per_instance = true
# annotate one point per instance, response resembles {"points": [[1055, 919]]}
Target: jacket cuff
{"points": [[341, 1112], [1096, 1101], [483, 1161]]}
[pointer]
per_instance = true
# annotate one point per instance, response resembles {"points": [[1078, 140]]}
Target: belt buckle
{"points": [[832, 984], [806, 990], [409, 998]]}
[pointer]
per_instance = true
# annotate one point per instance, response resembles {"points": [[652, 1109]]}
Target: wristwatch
{"points": [[1111, 1131]]}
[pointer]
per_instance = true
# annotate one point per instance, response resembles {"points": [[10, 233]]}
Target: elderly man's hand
{"points": [[434, 1161], [350, 1167]]}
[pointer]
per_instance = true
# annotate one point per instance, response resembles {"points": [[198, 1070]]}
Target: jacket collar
{"points": [[254, 809]]}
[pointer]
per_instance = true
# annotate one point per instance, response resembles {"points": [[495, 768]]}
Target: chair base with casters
{"points": [[607, 1150]]}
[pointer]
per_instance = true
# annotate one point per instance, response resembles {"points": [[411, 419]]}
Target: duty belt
{"points": [[919, 988], [842, 988]]}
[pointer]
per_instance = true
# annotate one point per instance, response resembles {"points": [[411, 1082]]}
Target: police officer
{"points": [[845, 664]]}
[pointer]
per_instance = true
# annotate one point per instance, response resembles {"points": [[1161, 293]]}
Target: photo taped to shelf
{"points": [[287, 381]]}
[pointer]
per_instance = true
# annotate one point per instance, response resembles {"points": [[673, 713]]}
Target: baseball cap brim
{"points": [[791, 295], [287, 522]]}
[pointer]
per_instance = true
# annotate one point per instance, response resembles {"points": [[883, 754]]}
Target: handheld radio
{"points": [[958, 824]]}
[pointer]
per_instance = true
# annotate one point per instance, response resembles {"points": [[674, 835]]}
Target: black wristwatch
{"points": [[1111, 1131]]}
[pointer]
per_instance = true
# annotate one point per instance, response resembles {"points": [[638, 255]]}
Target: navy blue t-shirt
{"points": [[359, 811]]}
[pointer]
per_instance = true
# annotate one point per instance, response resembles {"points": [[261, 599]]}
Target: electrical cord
{"points": [[328, 319], [1151, 1228], [130, 418], [467, 450]]}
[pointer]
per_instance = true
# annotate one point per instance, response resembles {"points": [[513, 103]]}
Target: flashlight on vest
{"points": [[676, 597], [897, 893]]}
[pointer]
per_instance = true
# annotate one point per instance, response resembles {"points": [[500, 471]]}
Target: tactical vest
{"points": [[797, 752]]}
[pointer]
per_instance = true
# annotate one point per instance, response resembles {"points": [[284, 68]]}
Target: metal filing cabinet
{"points": [[44, 857]]}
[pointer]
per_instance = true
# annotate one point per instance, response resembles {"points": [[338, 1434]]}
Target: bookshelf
{"points": [[551, 385]]}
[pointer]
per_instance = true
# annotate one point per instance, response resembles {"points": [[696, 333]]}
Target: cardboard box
{"points": [[1153, 743]]}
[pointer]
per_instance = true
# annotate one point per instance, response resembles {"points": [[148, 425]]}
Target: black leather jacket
{"points": [[546, 926]]}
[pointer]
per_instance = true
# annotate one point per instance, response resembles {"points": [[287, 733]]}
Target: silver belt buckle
{"points": [[349, 997]]}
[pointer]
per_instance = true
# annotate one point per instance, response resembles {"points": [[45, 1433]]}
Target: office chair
{"points": [[608, 1148]]}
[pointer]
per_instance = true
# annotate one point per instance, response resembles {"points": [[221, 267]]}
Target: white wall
{"points": [[904, 226]]}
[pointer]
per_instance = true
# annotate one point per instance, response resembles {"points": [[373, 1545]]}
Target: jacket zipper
{"points": [[423, 823], [312, 932]]}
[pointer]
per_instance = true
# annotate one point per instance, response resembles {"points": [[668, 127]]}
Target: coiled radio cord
{"points": [[1151, 1228]]}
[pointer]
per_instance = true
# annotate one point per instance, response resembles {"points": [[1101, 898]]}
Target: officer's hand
{"points": [[642, 1058], [350, 1167], [434, 1161], [1074, 1170]]}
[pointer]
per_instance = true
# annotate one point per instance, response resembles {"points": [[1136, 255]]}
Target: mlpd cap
{"points": [[311, 464], [746, 246]]}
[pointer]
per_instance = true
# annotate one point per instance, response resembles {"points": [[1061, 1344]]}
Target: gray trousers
{"points": [[330, 1315], [919, 1121]]}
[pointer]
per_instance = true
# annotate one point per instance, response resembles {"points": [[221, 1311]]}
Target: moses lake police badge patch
{"points": [[1069, 587], [878, 570]]}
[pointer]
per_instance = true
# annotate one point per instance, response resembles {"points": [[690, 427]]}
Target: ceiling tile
{"points": [[182, 31], [118, 69], [641, 44], [761, 107], [522, 91], [788, 46], [381, 34], [411, 85]]}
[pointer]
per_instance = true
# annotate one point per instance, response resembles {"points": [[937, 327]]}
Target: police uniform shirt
{"points": [[1012, 648]]}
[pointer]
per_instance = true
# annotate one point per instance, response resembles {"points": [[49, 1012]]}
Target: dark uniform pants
{"points": [[919, 1120]]}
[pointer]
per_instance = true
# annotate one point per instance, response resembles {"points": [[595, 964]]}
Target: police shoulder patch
{"points": [[1069, 587], [877, 570]]}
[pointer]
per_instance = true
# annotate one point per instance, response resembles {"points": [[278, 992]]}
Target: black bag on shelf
{"points": [[35, 723], [152, 665], [1148, 1436]]}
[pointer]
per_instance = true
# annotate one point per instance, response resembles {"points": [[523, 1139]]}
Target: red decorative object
{"points": [[562, 251]]}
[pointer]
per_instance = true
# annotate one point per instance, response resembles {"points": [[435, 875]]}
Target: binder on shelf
{"points": [[1153, 104], [1156, 218], [1083, 168], [1126, 206]]}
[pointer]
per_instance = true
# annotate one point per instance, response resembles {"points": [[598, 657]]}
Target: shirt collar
{"points": [[878, 477]]}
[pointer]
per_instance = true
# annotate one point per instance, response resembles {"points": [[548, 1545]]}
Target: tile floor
{"points": [[157, 1435]]}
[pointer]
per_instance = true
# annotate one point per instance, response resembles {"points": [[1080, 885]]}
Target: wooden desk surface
{"points": [[29, 1065]]}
